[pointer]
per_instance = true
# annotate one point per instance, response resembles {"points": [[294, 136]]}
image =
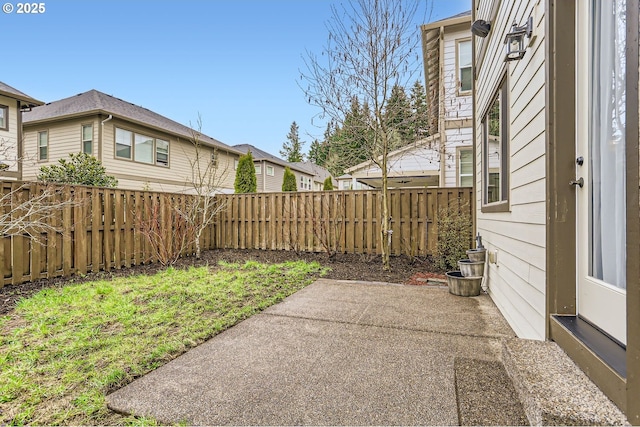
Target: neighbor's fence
{"points": [[103, 228], [340, 221]]}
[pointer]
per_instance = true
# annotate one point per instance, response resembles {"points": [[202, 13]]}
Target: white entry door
{"points": [[600, 162]]}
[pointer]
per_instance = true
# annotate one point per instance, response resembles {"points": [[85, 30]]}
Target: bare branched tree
{"points": [[373, 45], [207, 176], [28, 209]]}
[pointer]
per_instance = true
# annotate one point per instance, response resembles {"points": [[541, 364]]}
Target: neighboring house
{"points": [[416, 165], [556, 149], [447, 53], [270, 170], [445, 158], [320, 174], [348, 182], [12, 104], [141, 148]]}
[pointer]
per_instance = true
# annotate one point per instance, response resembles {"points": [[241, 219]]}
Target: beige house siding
{"points": [[65, 137], [9, 137], [517, 281], [267, 183]]}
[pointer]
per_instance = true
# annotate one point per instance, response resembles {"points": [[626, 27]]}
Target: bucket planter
{"points": [[477, 255], [463, 286], [470, 268]]}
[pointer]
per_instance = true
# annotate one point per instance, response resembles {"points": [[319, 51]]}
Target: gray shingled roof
{"points": [[259, 154], [94, 102], [12, 92], [459, 15], [319, 172]]}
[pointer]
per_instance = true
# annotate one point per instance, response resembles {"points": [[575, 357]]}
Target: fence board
{"points": [[348, 221], [103, 229]]}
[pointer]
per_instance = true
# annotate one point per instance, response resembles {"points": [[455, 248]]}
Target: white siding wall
{"points": [[9, 138], [456, 105], [517, 282], [460, 137], [416, 161]]}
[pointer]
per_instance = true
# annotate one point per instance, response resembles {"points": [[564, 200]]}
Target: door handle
{"points": [[579, 182]]}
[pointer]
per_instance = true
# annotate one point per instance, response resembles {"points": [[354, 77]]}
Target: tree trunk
{"points": [[386, 224]]}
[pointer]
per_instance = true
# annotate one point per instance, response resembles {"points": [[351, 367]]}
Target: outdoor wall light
{"points": [[480, 28], [516, 47]]}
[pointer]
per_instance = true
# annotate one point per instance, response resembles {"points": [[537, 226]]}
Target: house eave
{"points": [[417, 144]]}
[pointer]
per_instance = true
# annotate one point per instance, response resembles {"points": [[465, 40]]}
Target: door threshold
{"points": [[609, 350]]}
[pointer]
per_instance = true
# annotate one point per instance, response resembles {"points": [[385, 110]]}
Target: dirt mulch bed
{"points": [[414, 271]]}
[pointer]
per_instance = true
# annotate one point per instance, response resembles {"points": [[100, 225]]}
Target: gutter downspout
{"points": [[102, 136]]}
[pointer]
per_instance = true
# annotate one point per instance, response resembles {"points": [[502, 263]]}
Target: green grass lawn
{"points": [[64, 349]]}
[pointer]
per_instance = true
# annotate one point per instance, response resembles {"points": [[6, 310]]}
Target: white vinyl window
{"points": [[270, 171], [43, 145], [141, 148], [4, 117], [162, 152], [258, 170], [465, 71], [87, 139], [465, 168], [123, 143]]}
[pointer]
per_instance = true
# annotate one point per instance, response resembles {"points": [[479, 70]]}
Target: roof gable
{"points": [[262, 155], [12, 92]]}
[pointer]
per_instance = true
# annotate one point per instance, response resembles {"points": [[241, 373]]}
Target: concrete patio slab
{"points": [[341, 353]]}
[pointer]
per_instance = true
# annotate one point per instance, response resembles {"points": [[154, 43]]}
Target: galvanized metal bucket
{"points": [[477, 255], [463, 286], [470, 268]]}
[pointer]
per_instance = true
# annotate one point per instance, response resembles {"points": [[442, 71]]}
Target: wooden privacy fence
{"points": [[87, 229], [97, 229], [341, 221]]}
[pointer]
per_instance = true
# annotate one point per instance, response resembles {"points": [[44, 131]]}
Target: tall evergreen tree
{"points": [[289, 180], [420, 109], [316, 153], [398, 116], [347, 144], [246, 181], [292, 147]]}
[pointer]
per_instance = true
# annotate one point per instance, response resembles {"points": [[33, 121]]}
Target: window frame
{"points": [[84, 141], [155, 152], [132, 145], [460, 150], [501, 205], [258, 168], [115, 144], [273, 170], [46, 146], [5, 115], [459, 89]]}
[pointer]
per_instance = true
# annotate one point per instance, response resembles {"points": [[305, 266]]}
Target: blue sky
{"points": [[234, 62]]}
